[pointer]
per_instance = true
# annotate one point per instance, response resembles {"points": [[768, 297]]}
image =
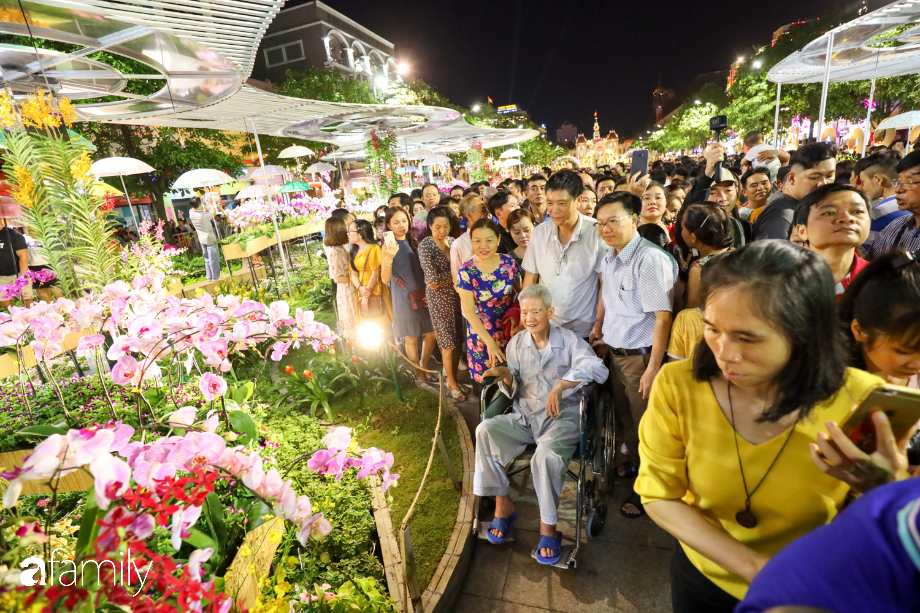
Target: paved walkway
{"points": [[625, 571]]}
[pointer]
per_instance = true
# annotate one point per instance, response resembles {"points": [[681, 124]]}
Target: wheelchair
{"points": [[594, 475]]}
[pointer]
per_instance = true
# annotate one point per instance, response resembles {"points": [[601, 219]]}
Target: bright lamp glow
{"points": [[370, 335], [402, 69], [381, 81], [757, 64], [697, 102], [475, 108]]}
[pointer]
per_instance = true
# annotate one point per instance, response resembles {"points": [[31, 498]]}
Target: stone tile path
{"points": [[625, 571]]}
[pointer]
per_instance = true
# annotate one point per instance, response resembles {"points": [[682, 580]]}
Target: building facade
{"points": [[659, 97], [598, 151], [313, 35], [567, 134]]}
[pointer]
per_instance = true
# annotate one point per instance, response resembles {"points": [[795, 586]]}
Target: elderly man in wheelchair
{"points": [[547, 367]]}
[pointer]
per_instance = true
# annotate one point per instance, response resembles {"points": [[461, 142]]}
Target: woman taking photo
{"points": [[402, 271], [708, 229], [372, 296], [731, 439], [654, 205], [521, 223], [486, 286], [443, 300], [335, 240], [472, 209], [880, 314]]}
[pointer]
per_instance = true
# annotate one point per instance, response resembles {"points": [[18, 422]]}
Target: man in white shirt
{"points": [[202, 221], [564, 253]]}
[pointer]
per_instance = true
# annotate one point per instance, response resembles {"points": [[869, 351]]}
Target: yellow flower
{"points": [[67, 111], [7, 112], [274, 537], [23, 187], [81, 167], [37, 112], [245, 550]]}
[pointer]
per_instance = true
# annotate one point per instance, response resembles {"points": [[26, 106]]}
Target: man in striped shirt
{"points": [[875, 175], [903, 232]]}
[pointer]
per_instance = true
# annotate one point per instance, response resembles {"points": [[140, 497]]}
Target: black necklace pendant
{"points": [[746, 519]]}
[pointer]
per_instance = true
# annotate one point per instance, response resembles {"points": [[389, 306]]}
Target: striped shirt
{"points": [[883, 214], [902, 232], [636, 282]]}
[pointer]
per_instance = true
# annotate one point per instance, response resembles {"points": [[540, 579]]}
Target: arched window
{"points": [[338, 48]]}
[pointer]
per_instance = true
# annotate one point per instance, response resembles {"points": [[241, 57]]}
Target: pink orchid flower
{"points": [[212, 385], [182, 520], [182, 418], [87, 345], [112, 478]]}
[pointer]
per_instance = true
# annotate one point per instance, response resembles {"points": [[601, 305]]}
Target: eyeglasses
{"points": [[905, 184], [610, 224]]}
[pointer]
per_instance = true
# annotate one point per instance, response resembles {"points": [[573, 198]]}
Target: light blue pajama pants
{"points": [[501, 439]]}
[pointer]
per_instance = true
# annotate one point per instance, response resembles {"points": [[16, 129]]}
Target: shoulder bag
{"points": [[417, 298]]}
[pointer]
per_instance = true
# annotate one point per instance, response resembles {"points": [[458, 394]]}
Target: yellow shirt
{"points": [[687, 448], [685, 334], [755, 214]]}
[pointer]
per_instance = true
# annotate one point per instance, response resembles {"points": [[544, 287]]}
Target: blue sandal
{"points": [[503, 525], [553, 544]]}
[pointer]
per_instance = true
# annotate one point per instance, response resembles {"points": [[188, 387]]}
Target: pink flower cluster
{"points": [[150, 327], [334, 459], [14, 290]]}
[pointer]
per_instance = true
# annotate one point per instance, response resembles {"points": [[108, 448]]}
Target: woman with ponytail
{"points": [[707, 228]]}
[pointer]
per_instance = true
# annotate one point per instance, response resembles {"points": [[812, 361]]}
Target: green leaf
{"points": [[154, 396], [199, 540], [243, 424], [243, 393], [40, 431], [89, 529], [218, 521], [257, 514]]}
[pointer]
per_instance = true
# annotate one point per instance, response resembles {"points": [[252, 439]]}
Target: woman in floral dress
{"points": [[443, 301], [487, 285], [336, 239]]}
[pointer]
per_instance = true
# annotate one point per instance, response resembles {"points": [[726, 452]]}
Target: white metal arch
{"points": [[570, 158]]}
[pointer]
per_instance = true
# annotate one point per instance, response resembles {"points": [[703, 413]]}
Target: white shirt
{"points": [[461, 252], [568, 271], [201, 220]]}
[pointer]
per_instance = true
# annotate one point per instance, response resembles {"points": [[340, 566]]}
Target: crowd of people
{"points": [[734, 308]]}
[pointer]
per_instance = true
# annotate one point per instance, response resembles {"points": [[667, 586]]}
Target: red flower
{"points": [[354, 360], [289, 369], [308, 374]]}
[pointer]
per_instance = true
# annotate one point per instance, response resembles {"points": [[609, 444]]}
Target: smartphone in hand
{"points": [[389, 237], [900, 404], [639, 163]]}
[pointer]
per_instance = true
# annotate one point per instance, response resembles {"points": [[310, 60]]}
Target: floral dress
{"points": [[443, 301], [494, 294], [345, 292]]}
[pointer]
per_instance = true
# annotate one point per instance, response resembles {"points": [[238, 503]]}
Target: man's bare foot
{"points": [[504, 507], [550, 531]]}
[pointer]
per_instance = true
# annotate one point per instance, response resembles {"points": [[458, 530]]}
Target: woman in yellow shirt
{"points": [[726, 442], [365, 272]]}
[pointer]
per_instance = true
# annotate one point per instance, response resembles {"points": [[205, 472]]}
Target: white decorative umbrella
{"points": [[901, 120], [320, 167], [295, 151], [419, 154], [435, 159], [120, 167], [202, 177], [267, 171], [508, 163], [253, 191], [511, 153]]}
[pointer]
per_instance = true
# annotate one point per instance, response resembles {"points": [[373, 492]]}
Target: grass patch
{"points": [[406, 429]]}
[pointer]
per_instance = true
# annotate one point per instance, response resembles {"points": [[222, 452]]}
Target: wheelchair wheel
{"points": [[608, 451], [486, 506], [597, 517]]}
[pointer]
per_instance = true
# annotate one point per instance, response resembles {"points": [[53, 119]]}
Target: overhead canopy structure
{"points": [[203, 54], [883, 43]]}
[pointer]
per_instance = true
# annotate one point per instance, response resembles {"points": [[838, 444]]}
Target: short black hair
{"points": [[759, 170], [453, 187], [680, 170], [753, 138], [794, 291], [655, 234], [884, 162], [518, 183], [195, 201], [781, 174], [499, 200], [486, 222], [429, 185], [534, 177], [910, 161], [566, 180], [800, 217], [710, 223], [658, 176], [604, 177], [632, 204], [443, 211], [416, 193], [812, 154], [896, 141], [404, 200], [340, 212], [884, 299]]}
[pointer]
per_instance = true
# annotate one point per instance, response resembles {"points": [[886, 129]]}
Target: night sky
{"points": [[562, 60]]}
